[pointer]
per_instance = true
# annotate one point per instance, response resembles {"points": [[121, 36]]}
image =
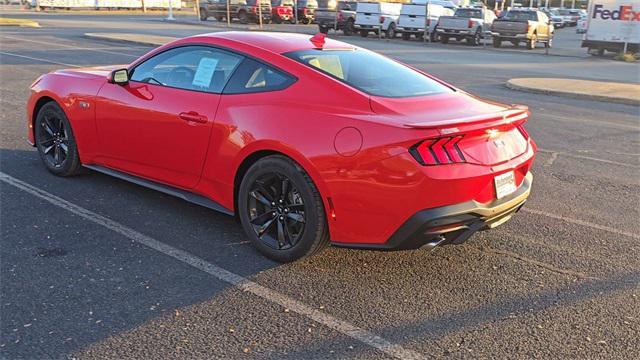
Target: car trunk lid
{"points": [[485, 133]]}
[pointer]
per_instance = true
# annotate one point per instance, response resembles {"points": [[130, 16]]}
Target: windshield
{"points": [[469, 13], [520, 16], [369, 72]]}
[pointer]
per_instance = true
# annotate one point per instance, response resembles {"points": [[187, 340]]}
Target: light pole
{"points": [[170, 17]]}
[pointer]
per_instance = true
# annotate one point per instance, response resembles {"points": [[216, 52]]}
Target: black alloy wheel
{"points": [[276, 211], [55, 142], [281, 210]]}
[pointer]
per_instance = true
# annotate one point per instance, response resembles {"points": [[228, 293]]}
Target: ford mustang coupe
{"points": [[306, 140]]}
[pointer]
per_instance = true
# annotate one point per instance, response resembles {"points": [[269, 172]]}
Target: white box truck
{"points": [[612, 25]]}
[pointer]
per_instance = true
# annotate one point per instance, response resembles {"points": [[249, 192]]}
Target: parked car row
{"points": [[246, 11], [442, 23]]}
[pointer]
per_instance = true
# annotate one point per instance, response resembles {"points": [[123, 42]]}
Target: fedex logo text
{"points": [[624, 13]]}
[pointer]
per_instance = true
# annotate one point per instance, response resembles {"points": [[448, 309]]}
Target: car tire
{"points": [[406, 36], [219, 18], [281, 210], [349, 29], [444, 39], [243, 17], [497, 42], [475, 39], [515, 43], [434, 37], [203, 15], [55, 141], [364, 33], [549, 43], [531, 43], [391, 31], [323, 29]]}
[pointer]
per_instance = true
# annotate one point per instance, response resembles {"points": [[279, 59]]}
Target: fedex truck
{"points": [[612, 25]]}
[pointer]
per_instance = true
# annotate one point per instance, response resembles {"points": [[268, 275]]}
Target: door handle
{"points": [[193, 116]]}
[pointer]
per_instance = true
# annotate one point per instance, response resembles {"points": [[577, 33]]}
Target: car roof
{"points": [[277, 42]]}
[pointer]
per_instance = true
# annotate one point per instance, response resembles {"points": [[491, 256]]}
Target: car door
{"points": [[218, 8], [158, 125], [543, 26]]}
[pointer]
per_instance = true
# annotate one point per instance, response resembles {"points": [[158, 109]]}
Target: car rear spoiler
{"points": [[514, 116]]}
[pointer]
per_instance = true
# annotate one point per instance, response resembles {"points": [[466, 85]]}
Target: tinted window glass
{"points": [[198, 68], [469, 13], [253, 76], [370, 72], [521, 16]]}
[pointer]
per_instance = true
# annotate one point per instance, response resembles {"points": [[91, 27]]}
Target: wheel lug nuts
{"points": [[286, 210], [281, 217], [274, 213]]}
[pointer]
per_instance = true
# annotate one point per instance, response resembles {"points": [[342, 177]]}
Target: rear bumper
{"points": [[410, 30], [452, 224], [452, 32], [510, 36]]}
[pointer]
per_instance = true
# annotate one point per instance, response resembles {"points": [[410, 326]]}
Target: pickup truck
{"points": [[412, 20], [523, 25], [326, 16], [243, 10], [375, 17], [470, 23]]}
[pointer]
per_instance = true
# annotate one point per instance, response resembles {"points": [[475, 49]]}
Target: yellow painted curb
{"points": [[18, 22]]}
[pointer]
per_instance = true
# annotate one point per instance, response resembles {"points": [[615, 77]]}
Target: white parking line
{"points": [[68, 46], [556, 153], [582, 223], [37, 59], [238, 281]]}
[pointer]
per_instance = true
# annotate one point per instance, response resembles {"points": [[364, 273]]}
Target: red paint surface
{"points": [[138, 129]]}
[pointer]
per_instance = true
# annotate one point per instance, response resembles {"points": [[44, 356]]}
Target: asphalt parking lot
{"points": [[94, 267]]}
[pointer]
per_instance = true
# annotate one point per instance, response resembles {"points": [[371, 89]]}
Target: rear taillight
{"points": [[527, 28], [438, 151], [428, 22], [470, 24], [381, 19], [339, 16], [254, 9]]}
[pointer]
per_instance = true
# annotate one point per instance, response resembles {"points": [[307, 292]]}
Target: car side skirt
{"points": [[182, 194]]}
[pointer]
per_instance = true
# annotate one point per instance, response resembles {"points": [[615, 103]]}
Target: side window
{"points": [[252, 76], [543, 17], [199, 68]]}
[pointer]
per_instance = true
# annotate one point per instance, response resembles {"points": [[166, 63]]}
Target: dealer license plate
{"points": [[505, 184]]}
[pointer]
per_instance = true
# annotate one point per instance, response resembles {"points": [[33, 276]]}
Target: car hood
{"points": [[90, 72], [437, 110]]}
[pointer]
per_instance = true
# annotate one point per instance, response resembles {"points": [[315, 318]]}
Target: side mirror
{"points": [[120, 77]]}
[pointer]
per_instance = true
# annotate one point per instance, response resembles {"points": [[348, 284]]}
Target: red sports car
{"points": [[307, 140]]}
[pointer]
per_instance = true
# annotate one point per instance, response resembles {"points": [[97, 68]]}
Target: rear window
{"points": [[521, 16], [369, 72], [469, 13]]}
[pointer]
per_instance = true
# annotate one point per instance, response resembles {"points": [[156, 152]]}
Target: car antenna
{"points": [[318, 40]]}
